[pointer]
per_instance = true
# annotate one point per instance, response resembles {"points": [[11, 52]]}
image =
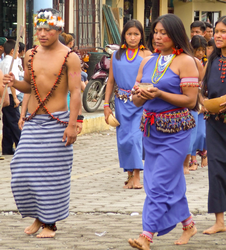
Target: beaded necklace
{"points": [[43, 102], [222, 67], [162, 64], [131, 54]]}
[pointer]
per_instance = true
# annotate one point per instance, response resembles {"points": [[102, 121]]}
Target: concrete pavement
{"points": [[102, 214]]}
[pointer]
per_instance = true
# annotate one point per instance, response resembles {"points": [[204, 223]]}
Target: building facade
{"points": [[84, 17]]}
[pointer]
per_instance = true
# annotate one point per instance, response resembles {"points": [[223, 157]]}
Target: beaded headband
{"points": [[47, 20]]}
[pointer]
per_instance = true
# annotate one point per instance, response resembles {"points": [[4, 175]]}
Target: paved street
{"points": [[102, 214]]}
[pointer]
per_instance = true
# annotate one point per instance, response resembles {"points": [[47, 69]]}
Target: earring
{"points": [[177, 51], [124, 46], [142, 47]]}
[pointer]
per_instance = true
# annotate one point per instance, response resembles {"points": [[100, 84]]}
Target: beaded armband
{"points": [[189, 82]]}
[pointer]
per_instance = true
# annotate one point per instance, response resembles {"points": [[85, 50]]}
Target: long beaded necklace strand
{"points": [[131, 54], [222, 67], [162, 64], [43, 102]]}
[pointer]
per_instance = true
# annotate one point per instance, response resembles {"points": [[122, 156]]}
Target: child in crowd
{"points": [[198, 137]]}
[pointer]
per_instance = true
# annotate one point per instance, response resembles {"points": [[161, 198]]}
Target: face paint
{"points": [[224, 36], [166, 39]]}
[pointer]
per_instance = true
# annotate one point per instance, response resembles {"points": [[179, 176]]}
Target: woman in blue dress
{"points": [[167, 124], [123, 71]]}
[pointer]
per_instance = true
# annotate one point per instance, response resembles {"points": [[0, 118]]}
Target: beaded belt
{"points": [[123, 94], [170, 121]]}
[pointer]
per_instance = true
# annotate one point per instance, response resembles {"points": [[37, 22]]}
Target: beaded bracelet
{"points": [[80, 117], [80, 121], [106, 104]]}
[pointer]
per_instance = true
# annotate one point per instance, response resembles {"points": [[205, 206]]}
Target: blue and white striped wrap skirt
{"points": [[41, 169]]}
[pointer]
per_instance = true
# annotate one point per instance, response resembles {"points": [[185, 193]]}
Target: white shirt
{"points": [[5, 65]]}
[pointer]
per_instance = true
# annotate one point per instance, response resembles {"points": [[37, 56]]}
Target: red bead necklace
{"points": [[43, 102], [222, 67]]}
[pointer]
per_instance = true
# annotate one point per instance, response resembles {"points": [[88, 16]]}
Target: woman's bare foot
{"points": [[215, 229], [46, 233], [204, 162], [136, 183], [186, 170], [129, 182], [186, 235], [34, 227], [140, 243], [193, 166]]}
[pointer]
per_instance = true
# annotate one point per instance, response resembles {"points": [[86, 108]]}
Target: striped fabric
{"points": [[41, 170]]}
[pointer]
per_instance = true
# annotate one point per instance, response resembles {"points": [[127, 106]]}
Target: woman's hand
{"points": [[150, 93], [107, 112]]}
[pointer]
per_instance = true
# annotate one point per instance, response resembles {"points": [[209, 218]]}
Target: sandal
{"points": [[193, 165]]}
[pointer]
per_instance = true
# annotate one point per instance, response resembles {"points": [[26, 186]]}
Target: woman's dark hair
{"points": [[128, 25], [149, 43], [210, 42], [198, 41], [216, 53], [175, 30], [21, 47]]}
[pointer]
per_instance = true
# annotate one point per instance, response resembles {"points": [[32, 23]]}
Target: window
{"points": [[87, 23]]}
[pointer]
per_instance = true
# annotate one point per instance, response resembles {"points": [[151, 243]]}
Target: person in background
{"points": [[210, 47], [2, 42], [198, 28], [11, 114], [123, 70], [209, 31]]}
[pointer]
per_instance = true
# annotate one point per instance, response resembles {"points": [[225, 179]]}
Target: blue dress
{"points": [[164, 182], [129, 136]]}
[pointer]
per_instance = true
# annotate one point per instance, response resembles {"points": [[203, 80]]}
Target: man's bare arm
{"points": [[74, 84]]}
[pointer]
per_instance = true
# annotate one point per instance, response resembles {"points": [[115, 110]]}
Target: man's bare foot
{"points": [[215, 229], [140, 243], [34, 227], [193, 166], [46, 233], [129, 183], [186, 235]]}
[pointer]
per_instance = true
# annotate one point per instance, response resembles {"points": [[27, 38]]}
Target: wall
{"points": [[186, 10]]}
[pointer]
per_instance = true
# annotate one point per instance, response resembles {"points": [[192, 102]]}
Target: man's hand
{"points": [[21, 123], [8, 79], [71, 134], [16, 102], [79, 127]]}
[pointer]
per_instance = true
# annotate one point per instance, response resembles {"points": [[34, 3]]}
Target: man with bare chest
{"points": [[41, 166]]}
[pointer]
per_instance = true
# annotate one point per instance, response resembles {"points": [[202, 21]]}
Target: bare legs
{"points": [[45, 233], [133, 180], [194, 164], [218, 226], [186, 164]]}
